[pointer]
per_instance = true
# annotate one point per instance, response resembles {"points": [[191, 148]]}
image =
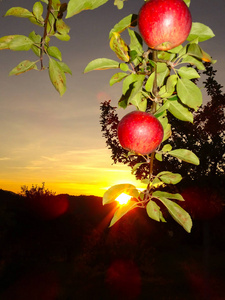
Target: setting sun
{"points": [[123, 198]]}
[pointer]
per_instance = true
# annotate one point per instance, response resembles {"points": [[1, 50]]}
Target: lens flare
{"points": [[123, 198]]}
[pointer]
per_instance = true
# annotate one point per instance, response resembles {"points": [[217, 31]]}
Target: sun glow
{"points": [[123, 198]]}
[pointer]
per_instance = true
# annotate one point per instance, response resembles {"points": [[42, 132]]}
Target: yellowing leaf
{"points": [[57, 76], [19, 12], [5, 41], [62, 27], [118, 45], [23, 67]]}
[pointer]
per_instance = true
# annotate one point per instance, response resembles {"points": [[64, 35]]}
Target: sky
{"points": [[58, 140]]}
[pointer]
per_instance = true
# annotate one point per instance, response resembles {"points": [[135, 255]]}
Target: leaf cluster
{"points": [[48, 15], [162, 83]]}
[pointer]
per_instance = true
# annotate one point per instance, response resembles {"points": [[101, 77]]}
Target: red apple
{"points": [[164, 24], [140, 132]]}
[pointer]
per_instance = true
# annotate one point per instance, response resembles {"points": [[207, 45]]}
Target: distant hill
{"points": [[84, 207]]}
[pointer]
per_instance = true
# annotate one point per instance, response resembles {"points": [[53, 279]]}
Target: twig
{"points": [[49, 7]]}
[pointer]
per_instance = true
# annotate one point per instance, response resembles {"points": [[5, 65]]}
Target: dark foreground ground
{"points": [[76, 255]]}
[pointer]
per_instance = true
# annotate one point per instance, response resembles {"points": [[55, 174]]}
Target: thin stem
{"points": [[155, 88], [49, 7], [155, 93]]}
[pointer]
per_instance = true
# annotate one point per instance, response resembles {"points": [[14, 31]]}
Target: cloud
{"points": [[4, 158]]}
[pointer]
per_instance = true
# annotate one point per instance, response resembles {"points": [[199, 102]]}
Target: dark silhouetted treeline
{"points": [[76, 256]]}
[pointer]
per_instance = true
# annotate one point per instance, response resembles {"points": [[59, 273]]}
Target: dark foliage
{"points": [[205, 137]]}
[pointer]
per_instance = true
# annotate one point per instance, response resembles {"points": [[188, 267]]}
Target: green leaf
{"points": [[56, 5], [155, 183], [20, 43], [135, 92], [136, 98], [162, 76], [179, 111], [188, 72], [36, 21], [23, 67], [54, 52], [136, 42], [150, 82], [185, 155], [51, 24], [113, 192], [162, 109], [166, 55], [170, 86], [76, 6], [169, 177], [188, 2], [136, 166], [189, 93], [158, 156], [200, 31], [129, 21], [101, 64], [176, 50], [45, 1], [129, 81], [124, 67], [38, 10], [118, 45], [117, 78], [57, 76], [119, 3], [19, 12], [62, 37], [193, 61], [166, 126], [167, 148], [64, 67], [178, 213], [161, 67], [122, 210], [176, 196], [195, 50], [154, 212], [36, 38], [167, 132]]}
